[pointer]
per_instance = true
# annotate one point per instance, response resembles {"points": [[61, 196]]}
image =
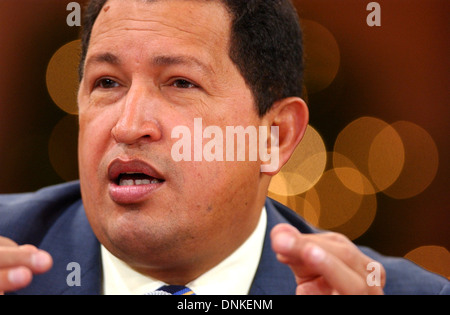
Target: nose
{"points": [[137, 122]]}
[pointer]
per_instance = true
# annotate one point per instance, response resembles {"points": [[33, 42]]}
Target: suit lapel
{"points": [[272, 277]]}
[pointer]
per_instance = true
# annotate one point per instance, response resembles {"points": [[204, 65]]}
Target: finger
{"points": [[7, 242], [288, 243], [310, 261], [335, 243], [291, 249], [14, 279], [317, 286], [284, 237], [344, 249], [315, 263], [29, 248], [334, 271], [38, 261]]}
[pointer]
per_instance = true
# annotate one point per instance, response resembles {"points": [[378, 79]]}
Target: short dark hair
{"points": [[265, 44]]}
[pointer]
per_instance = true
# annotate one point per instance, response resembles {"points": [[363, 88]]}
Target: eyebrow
{"points": [[181, 60], [103, 58], [112, 59]]}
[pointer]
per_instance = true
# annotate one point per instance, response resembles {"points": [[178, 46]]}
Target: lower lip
{"points": [[132, 194]]}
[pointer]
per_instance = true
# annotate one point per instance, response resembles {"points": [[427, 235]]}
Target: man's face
{"points": [[152, 67]]}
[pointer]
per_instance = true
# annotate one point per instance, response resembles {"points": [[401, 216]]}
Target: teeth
{"points": [[137, 182], [141, 182], [126, 182]]}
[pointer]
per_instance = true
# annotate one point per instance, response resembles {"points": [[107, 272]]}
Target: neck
{"points": [[183, 272]]}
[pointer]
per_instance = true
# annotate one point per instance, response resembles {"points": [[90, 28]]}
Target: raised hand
{"points": [[326, 263], [18, 264]]}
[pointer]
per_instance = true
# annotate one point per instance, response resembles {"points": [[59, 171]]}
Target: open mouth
{"points": [[133, 173], [136, 179], [133, 181]]}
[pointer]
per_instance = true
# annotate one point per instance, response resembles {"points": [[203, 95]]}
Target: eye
{"points": [[183, 84], [106, 83]]}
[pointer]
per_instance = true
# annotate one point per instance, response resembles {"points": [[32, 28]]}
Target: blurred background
{"points": [[373, 164]]}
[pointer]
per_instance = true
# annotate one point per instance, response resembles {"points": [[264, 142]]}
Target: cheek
{"points": [[94, 139], [221, 184]]}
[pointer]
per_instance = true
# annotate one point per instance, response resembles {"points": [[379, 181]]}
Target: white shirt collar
{"points": [[233, 276]]}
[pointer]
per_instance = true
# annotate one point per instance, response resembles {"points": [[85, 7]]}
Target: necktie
{"points": [[173, 290]]}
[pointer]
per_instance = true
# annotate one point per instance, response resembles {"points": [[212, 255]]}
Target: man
{"points": [[139, 219]]}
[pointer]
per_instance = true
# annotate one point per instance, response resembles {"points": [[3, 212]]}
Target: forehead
{"points": [[162, 23]]}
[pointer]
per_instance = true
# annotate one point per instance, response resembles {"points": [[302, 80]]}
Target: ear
{"points": [[291, 116]]}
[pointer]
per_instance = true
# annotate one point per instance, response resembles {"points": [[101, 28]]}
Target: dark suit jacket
{"points": [[54, 220]]}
